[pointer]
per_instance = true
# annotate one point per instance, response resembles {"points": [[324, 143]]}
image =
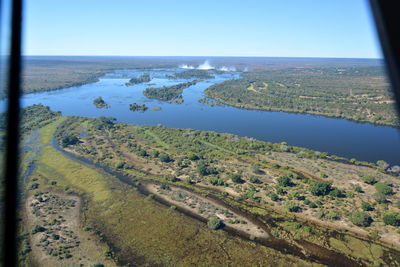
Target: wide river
{"points": [[341, 137]]}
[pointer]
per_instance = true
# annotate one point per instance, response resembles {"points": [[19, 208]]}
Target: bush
{"points": [[368, 179], [336, 193], [392, 219], [292, 207], [214, 223], [69, 140], [165, 158], [237, 178], [358, 189], [384, 189], [366, 206], [255, 180], [284, 181], [360, 218], [310, 204], [192, 156], [380, 198], [274, 197], [256, 168], [321, 188], [217, 181], [204, 169], [280, 190]]}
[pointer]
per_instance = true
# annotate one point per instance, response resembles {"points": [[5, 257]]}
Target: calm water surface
{"points": [[341, 137]]}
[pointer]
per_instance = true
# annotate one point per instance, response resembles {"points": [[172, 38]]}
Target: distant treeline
{"points": [[190, 74], [356, 93]]}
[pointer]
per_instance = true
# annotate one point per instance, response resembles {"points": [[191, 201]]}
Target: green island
{"points": [[356, 93], [100, 103], [144, 78], [171, 93], [136, 107], [190, 74], [144, 191]]}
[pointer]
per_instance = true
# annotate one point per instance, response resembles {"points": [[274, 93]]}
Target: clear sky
{"points": [[278, 28]]}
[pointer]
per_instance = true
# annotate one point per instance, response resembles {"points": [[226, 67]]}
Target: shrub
{"points": [[358, 189], [368, 179], [292, 207], [204, 169], [274, 197], [360, 218], [321, 188], [214, 223], [69, 140], [280, 190], [366, 206], [38, 229], [310, 204], [165, 157], [392, 219], [217, 181], [237, 178], [336, 193], [256, 168], [255, 180], [192, 156], [284, 181], [332, 216], [380, 198], [155, 154], [384, 189]]}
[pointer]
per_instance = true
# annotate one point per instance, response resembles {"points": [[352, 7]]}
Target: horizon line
{"points": [[311, 57]]}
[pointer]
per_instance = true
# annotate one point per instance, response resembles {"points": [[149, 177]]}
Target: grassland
{"points": [[356, 93], [274, 183], [133, 229]]}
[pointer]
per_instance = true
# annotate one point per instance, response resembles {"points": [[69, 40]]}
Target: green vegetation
{"points": [[136, 107], [383, 189], [214, 223], [392, 219], [356, 93], [360, 218], [321, 188], [100, 103], [144, 78], [171, 93], [240, 172]]}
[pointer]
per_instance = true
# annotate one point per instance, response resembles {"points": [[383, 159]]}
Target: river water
{"points": [[341, 137]]}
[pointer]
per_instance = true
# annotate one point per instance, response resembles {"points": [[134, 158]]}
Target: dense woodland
{"points": [[171, 93], [357, 93]]}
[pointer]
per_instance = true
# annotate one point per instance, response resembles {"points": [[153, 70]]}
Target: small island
{"points": [[100, 103], [144, 78], [171, 93], [190, 74], [137, 107]]}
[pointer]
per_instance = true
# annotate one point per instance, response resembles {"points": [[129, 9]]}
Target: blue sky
{"points": [[278, 28]]}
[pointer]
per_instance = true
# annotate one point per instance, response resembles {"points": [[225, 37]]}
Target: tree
{"points": [[392, 219], [360, 218], [273, 196], [69, 140], [321, 188], [366, 206], [368, 179], [384, 189], [284, 181], [165, 157], [214, 223]]}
